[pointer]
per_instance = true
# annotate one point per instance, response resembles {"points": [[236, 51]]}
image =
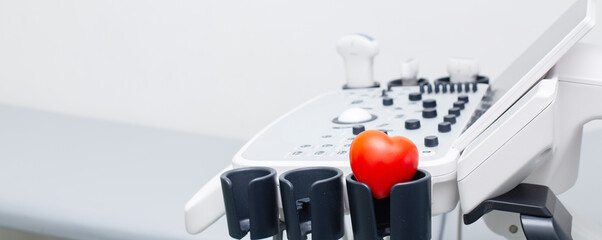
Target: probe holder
{"points": [[402, 82], [312, 202], [405, 214], [250, 198]]}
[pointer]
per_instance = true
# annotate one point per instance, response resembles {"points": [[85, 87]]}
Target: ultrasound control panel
{"points": [[431, 115]]}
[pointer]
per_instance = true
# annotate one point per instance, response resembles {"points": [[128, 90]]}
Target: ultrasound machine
{"points": [[495, 146]]}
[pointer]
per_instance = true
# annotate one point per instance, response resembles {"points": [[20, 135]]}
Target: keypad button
{"points": [[463, 98]]}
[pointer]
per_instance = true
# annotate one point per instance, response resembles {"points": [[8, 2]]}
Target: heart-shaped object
{"points": [[382, 161]]}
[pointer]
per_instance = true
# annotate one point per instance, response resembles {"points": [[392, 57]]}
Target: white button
{"points": [[355, 115]]}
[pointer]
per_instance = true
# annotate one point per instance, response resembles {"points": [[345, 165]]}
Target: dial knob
{"points": [[450, 118], [387, 101], [431, 141], [416, 96], [429, 103], [412, 124], [357, 129], [429, 113], [444, 127]]}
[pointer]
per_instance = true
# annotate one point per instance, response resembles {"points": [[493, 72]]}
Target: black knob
{"points": [[429, 88], [450, 118], [463, 98], [459, 104], [429, 113], [357, 129], [387, 101], [431, 141], [429, 103], [444, 127], [454, 111], [444, 87], [452, 87], [459, 85], [412, 124], [474, 86], [415, 96]]}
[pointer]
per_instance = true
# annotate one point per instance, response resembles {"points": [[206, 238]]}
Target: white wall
{"points": [[230, 67]]}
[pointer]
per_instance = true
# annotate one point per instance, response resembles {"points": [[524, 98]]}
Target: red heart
{"points": [[382, 161]]}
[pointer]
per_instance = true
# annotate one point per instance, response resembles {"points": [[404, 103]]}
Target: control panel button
{"points": [[429, 103], [354, 115], [459, 104], [305, 146], [454, 111], [297, 153], [415, 96], [452, 87], [319, 153], [437, 87], [429, 113], [422, 88], [387, 101], [474, 86], [444, 87], [429, 88], [463, 98], [431, 141], [412, 124], [444, 127], [357, 129], [467, 87], [450, 118], [459, 86]]}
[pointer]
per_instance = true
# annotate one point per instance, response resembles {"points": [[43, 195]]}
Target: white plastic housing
{"points": [[539, 139]]}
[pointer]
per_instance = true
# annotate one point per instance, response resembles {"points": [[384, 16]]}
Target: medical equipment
{"points": [[475, 138]]}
